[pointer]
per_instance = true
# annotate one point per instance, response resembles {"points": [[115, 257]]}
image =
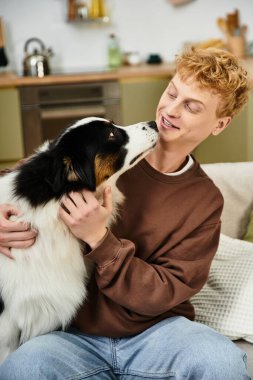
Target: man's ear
{"points": [[221, 125]]}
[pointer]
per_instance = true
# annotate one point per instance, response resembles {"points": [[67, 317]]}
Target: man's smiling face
{"points": [[187, 113]]}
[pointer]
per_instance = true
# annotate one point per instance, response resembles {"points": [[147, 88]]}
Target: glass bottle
{"points": [[97, 9], [113, 52], [101, 8]]}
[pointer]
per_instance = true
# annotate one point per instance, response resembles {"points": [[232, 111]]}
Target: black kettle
{"points": [[36, 64]]}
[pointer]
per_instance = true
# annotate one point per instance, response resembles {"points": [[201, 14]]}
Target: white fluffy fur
{"points": [[45, 284]]}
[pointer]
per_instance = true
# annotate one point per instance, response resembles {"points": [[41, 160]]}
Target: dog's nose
{"points": [[152, 124]]}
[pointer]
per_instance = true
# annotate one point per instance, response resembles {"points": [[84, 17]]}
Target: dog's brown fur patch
{"points": [[104, 168], [71, 175]]}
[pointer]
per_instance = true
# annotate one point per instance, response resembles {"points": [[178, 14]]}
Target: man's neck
{"points": [[166, 162]]}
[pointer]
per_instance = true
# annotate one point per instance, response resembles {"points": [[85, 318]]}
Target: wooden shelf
{"points": [[98, 20], [79, 12]]}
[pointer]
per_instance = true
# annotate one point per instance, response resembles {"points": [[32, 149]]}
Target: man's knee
{"points": [[22, 365], [216, 357], [29, 361]]}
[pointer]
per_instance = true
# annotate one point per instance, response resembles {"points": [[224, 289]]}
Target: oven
{"points": [[47, 110]]}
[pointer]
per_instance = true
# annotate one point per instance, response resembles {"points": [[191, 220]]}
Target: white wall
{"points": [[149, 26]]}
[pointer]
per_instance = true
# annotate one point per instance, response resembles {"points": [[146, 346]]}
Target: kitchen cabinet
{"points": [[47, 110], [234, 144], [140, 97], [11, 140]]}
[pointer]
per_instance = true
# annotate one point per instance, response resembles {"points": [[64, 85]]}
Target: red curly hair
{"points": [[219, 71]]}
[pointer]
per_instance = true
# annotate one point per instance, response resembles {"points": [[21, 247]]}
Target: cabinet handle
{"points": [[72, 112]]}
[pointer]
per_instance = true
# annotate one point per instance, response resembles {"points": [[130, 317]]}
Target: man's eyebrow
{"points": [[189, 99]]}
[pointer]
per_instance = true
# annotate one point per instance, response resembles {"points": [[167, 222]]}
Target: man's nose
{"points": [[173, 109]]}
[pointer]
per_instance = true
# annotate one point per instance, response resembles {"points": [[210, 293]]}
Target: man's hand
{"points": [[13, 234], [85, 217]]}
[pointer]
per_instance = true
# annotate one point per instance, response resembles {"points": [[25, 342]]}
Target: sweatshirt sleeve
{"points": [[152, 288]]}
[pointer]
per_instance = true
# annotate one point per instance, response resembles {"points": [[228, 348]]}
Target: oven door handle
{"points": [[72, 112]]}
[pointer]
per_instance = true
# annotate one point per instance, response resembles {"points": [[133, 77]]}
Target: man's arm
{"points": [[13, 234], [150, 288]]}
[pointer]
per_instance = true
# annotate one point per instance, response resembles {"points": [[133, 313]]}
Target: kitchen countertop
{"points": [[10, 79]]}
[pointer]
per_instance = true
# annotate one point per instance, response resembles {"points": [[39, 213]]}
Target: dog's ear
{"points": [[57, 177], [72, 171], [82, 171]]}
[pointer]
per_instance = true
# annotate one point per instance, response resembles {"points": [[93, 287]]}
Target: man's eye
{"points": [[173, 96], [188, 107], [191, 108]]}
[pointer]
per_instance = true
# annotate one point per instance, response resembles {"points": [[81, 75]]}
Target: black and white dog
{"points": [[42, 288]]}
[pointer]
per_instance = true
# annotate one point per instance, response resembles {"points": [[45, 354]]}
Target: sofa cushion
{"points": [[225, 302], [235, 181]]}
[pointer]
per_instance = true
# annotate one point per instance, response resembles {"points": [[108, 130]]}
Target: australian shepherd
{"points": [[42, 288]]}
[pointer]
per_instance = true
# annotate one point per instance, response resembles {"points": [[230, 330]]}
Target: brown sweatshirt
{"points": [[156, 256]]}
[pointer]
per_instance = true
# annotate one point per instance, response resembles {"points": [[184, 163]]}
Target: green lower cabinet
{"points": [[11, 140], [234, 144], [140, 97]]}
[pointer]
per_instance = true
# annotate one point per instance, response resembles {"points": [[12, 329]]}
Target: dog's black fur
{"points": [[45, 176]]}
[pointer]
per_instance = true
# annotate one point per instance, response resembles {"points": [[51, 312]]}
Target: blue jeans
{"points": [[175, 348]]}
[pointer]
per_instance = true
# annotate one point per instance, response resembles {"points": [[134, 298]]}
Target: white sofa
{"points": [[228, 307]]}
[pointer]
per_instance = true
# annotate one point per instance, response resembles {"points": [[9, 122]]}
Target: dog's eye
{"points": [[112, 135]]}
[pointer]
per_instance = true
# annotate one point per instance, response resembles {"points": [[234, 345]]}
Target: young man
{"points": [[138, 320]]}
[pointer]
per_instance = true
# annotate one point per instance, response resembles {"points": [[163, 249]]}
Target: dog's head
{"points": [[94, 149]]}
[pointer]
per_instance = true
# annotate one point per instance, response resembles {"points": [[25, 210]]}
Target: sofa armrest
{"points": [[235, 181]]}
